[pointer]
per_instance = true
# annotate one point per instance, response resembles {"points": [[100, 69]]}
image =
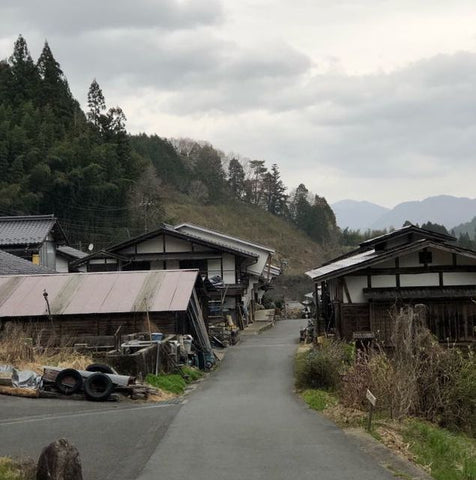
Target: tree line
{"points": [[105, 184]]}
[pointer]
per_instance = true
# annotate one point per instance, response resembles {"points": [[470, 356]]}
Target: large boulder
{"points": [[59, 461]]}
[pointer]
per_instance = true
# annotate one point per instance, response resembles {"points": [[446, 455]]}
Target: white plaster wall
{"points": [[459, 278], [410, 260], [100, 261], [440, 257], [173, 245], [153, 245], [386, 264], [383, 281], [229, 274], [460, 260], [355, 285], [61, 264], [256, 268], [214, 268], [420, 280]]}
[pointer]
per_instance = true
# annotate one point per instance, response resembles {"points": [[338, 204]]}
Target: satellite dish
{"points": [[90, 247]]}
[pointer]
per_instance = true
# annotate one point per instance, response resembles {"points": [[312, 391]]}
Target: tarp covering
{"points": [[96, 293]]}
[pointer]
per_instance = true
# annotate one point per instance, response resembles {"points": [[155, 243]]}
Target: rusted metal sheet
{"points": [[97, 293]]}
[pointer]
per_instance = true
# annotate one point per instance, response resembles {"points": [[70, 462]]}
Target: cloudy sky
{"points": [[364, 99]]}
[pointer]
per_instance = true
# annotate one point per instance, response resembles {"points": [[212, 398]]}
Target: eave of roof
{"points": [[370, 257], [406, 231], [224, 235], [183, 236]]}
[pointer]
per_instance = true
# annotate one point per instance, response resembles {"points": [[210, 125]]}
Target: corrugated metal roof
{"points": [[11, 265], [343, 264], [223, 235], [97, 293], [71, 252], [30, 230]]}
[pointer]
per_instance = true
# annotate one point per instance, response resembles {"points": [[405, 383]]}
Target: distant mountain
{"points": [[468, 227], [443, 209], [357, 215]]}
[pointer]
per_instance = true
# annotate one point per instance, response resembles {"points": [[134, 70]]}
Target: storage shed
{"points": [[76, 304]]}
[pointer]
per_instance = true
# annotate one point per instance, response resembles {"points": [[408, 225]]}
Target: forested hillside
{"points": [[106, 185]]}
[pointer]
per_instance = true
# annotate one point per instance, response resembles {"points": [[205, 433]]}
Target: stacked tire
{"points": [[97, 387]]}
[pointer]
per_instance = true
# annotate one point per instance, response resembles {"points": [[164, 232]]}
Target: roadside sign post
{"points": [[372, 401]]}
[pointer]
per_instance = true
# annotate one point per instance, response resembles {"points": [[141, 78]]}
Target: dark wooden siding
{"points": [[354, 318], [103, 325]]}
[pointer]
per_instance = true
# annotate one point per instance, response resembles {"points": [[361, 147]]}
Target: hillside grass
{"points": [[254, 224]]}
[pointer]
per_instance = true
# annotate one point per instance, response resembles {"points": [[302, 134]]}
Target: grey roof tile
{"points": [[29, 230], [12, 265]]}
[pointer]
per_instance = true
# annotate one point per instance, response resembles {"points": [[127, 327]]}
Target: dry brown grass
{"points": [[19, 347], [418, 377], [252, 223]]}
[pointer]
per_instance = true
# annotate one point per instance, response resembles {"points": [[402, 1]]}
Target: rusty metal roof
{"points": [[97, 293]]}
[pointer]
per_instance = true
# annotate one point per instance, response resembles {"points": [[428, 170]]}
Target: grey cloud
{"points": [[72, 17]]}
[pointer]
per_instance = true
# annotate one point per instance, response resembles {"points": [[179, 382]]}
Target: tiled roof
{"points": [[12, 265], [223, 236], [25, 230]]}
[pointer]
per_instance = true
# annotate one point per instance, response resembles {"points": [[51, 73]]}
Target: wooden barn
{"points": [[97, 304], [360, 290]]}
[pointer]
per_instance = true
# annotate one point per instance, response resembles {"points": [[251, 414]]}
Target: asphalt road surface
{"points": [[114, 440], [245, 422]]}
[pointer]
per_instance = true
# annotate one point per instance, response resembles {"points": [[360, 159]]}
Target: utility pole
{"points": [[146, 204]]}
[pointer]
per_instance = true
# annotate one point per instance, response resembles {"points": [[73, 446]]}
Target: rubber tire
{"points": [[66, 389], [101, 367], [91, 384]]}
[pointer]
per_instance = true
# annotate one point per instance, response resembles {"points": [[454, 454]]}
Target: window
{"points": [[425, 257]]}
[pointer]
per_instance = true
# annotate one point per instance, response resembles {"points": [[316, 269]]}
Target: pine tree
{"points": [[25, 76], [54, 89], [274, 191], [96, 104], [236, 178]]}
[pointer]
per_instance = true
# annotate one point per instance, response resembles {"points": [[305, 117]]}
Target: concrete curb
{"points": [[397, 464]]}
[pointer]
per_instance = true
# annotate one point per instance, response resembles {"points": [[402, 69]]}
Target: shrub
{"points": [[418, 377], [322, 366]]}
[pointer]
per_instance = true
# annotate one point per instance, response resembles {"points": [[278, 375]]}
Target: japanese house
{"points": [[171, 248], [408, 266], [35, 238], [258, 275]]}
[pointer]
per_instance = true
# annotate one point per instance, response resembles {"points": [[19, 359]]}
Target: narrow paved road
{"points": [[114, 440], [245, 422]]}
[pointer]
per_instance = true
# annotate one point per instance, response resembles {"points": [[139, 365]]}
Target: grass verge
{"points": [[174, 382], [447, 455], [11, 470], [319, 399]]}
